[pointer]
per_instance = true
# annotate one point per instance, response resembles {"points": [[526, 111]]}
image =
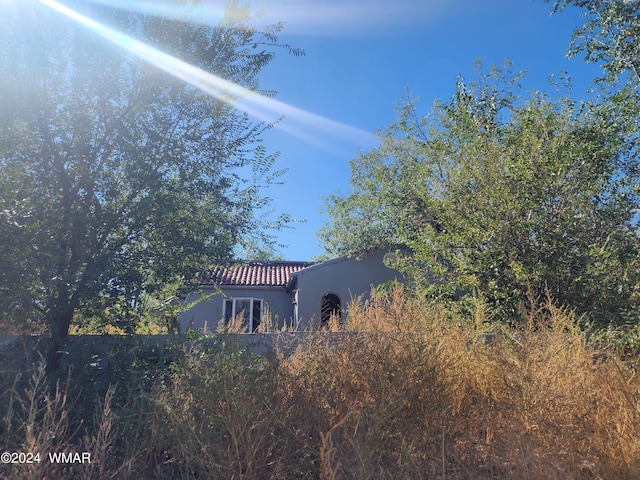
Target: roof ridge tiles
{"points": [[252, 273]]}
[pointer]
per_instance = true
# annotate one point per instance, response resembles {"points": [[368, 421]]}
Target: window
{"points": [[248, 311], [329, 308]]}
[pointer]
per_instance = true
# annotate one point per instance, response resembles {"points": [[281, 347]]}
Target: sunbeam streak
{"points": [[258, 106]]}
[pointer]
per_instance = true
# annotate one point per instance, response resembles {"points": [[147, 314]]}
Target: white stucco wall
{"points": [[206, 314], [348, 278]]}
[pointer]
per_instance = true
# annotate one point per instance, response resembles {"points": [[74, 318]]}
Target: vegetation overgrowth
{"points": [[402, 389]]}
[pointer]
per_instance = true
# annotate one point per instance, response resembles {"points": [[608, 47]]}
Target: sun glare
{"points": [[205, 12], [258, 106]]}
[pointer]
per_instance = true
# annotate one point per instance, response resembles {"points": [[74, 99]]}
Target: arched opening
{"points": [[329, 307]]}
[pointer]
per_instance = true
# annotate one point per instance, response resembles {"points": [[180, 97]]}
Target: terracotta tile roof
{"points": [[254, 274]]}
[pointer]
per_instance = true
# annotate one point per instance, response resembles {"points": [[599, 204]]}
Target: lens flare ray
{"points": [[258, 106]]}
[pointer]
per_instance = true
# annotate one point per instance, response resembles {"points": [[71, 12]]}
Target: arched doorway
{"points": [[329, 307]]}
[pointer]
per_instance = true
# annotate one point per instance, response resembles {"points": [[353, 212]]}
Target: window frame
{"points": [[252, 324]]}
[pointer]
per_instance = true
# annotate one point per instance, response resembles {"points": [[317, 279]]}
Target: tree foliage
{"points": [[116, 177], [511, 195], [610, 36]]}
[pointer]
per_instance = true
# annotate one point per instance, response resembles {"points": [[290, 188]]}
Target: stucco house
{"points": [[284, 293]]}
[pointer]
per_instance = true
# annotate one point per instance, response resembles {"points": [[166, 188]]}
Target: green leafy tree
{"points": [[512, 196], [610, 36], [116, 177]]}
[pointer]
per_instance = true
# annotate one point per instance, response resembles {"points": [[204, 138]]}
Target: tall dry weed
{"points": [[402, 389], [430, 392], [38, 424], [211, 418]]}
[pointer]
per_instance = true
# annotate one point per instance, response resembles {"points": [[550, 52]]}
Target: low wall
{"points": [[107, 352], [112, 355]]}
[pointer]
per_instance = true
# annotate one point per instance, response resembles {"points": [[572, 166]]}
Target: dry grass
{"points": [[37, 422], [415, 391], [404, 390]]}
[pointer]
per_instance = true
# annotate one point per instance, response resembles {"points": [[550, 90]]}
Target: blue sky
{"points": [[362, 57]]}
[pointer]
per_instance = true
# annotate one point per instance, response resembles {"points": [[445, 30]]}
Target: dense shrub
{"points": [[404, 389]]}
